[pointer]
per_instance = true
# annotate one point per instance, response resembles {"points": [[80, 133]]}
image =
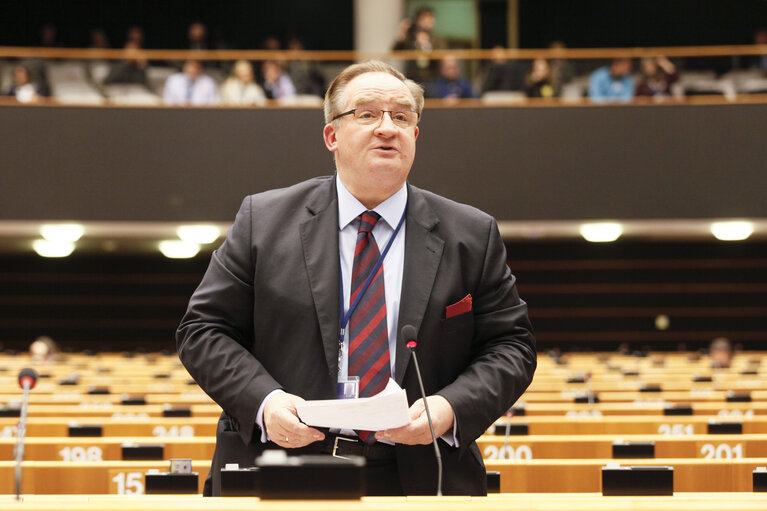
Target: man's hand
{"points": [[417, 432], [282, 424]]}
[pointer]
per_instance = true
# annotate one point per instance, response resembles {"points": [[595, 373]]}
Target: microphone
{"points": [[409, 336], [27, 376], [27, 380]]}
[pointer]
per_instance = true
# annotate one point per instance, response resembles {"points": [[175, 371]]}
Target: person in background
{"points": [[451, 85], [562, 71], [405, 26], [44, 349], [135, 36], [612, 83], [657, 76], [131, 70], [240, 88], [24, 88], [721, 353], [504, 74], [304, 74], [421, 37], [99, 39], [197, 36], [49, 36], [277, 83], [190, 87], [539, 80], [760, 37]]}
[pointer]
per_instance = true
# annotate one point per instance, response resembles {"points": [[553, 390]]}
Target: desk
{"points": [[501, 502]]}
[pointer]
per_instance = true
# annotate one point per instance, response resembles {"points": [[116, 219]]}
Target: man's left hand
{"points": [[417, 432]]}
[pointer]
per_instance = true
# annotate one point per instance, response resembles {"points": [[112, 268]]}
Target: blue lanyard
{"points": [[344, 317]]}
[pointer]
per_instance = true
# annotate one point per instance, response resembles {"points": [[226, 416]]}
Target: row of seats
{"points": [[82, 82], [552, 440], [495, 447]]}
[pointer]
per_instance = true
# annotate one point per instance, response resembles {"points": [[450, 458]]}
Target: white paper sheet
{"points": [[387, 409]]}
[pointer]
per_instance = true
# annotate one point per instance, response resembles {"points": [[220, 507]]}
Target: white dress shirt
{"points": [[181, 90]]}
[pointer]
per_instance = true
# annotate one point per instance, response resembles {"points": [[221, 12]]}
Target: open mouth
{"points": [[386, 148]]}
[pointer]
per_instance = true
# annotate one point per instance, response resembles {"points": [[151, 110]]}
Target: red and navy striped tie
{"points": [[368, 334]]}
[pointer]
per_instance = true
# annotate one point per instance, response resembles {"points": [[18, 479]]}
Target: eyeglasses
{"points": [[369, 116]]}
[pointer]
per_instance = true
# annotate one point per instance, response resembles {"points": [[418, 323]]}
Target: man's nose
{"points": [[386, 124]]}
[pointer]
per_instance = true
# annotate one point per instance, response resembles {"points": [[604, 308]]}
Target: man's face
{"points": [[193, 69], [373, 161], [450, 68], [620, 68]]}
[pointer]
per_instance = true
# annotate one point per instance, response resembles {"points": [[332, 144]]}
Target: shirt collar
{"points": [[349, 208]]}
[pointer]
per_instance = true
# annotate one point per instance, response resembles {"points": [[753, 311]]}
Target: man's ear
{"points": [[329, 135], [417, 131]]}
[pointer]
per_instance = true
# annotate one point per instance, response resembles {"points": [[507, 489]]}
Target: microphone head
{"points": [[28, 375], [409, 333], [411, 345]]}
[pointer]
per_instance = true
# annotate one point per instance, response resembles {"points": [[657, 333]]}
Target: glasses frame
{"points": [[390, 112]]}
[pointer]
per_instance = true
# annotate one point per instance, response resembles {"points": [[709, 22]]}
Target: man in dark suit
{"points": [[261, 332]]}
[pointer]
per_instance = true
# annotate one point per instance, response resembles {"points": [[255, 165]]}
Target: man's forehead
{"points": [[370, 87]]}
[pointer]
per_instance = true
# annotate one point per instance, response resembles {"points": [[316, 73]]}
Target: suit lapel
{"points": [[423, 252], [319, 239]]}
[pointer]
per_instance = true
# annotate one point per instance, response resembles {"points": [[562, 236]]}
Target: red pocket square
{"points": [[459, 308]]}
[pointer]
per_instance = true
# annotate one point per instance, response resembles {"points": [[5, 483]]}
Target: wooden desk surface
{"points": [[505, 502]]}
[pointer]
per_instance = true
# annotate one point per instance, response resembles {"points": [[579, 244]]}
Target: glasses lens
{"points": [[367, 115], [401, 118]]}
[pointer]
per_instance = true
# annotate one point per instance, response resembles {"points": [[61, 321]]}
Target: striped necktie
{"points": [[368, 333]]}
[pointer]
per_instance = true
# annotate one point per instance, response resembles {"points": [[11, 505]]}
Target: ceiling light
{"points": [[176, 249], [601, 232], [201, 234], [732, 231], [46, 248], [62, 232]]}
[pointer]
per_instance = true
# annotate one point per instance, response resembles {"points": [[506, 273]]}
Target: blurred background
{"points": [[620, 145]]}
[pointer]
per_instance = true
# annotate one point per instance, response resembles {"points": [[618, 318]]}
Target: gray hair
{"points": [[332, 105]]}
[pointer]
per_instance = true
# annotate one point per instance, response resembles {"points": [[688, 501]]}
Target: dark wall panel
{"points": [[622, 162]]}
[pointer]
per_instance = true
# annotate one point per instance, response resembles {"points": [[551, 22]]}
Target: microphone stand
{"points": [[431, 427], [20, 432]]}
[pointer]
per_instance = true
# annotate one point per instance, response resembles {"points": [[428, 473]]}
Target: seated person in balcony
{"points": [[132, 70], [504, 74], [24, 88], [277, 83], [240, 88], [657, 76], [612, 83], [540, 83], [450, 84], [305, 74], [760, 37], [190, 87]]}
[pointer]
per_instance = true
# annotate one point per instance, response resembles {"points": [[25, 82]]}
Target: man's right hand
{"points": [[282, 424]]}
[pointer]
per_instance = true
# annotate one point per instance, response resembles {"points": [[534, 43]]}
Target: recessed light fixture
{"points": [[177, 249], [601, 232], [46, 248], [732, 231], [62, 232], [201, 234]]}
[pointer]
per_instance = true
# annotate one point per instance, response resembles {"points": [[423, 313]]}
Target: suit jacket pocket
{"points": [[462, 322]]}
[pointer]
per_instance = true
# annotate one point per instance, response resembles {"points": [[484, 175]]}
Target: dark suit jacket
{"points": [[265, 316]]}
